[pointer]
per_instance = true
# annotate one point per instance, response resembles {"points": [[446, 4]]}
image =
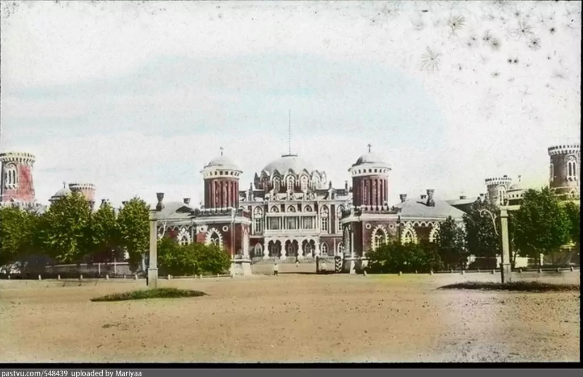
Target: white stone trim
{"points": [[210, 233]]}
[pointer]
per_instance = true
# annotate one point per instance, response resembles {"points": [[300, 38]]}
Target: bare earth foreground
{"points": [[290, 318]]}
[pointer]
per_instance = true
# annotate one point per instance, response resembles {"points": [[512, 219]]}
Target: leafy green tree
{"points": [[134, 229], [210, 258], [573, 212], [17, 234], [451, 244], [541, 226], [191, 259], [65, 229], [394, 257], [105, 233], [480, 235]]}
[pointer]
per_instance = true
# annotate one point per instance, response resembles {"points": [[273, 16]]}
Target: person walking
{"points": [[297, 263], [275, 269]]}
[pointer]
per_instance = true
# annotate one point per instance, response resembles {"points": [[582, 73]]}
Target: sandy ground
{"points": [[290, 318]]}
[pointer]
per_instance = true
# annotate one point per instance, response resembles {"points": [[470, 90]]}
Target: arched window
{"points": [[433, 234], [379, 238], [184, 240], [324, 248], [340, 248], [258, 220], [338, 218], [258, 250], [304, 183], [501, 195], [324, 218], [408, 236], [274, 209], [11, 176], [215, 239], [291, 209], [276, 184], [571, 169], [307, 209], [290, 182]]}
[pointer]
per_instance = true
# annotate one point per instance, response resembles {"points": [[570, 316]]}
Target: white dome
{"points": [[286, 163], [222, 162], [369, 158]]}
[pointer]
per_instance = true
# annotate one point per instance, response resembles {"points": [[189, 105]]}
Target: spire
{"points": [[369, 145], [289, 132]]}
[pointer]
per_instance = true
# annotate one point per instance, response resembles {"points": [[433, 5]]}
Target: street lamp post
{"points": [[152, 281], [505, 266]]}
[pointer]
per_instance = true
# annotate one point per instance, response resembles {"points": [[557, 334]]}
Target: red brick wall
{"points": [[221, 193], [370, 190], [25, 190]]}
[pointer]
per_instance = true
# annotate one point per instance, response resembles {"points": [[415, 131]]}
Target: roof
{"points": [[286, 163], [62, 192], [174, 210], [419, 208], [369, 158], [222, 162]]}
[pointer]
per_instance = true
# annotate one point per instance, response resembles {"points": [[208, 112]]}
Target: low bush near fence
{"points": [[150, 293], [521, 286]]}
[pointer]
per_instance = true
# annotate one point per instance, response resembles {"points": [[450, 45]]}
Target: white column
{"points": [[153, 265], [245, 245], [266, 248], [317, 249], [300, 250], [283, 250]]}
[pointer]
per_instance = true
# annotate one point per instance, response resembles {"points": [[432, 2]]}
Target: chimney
{"points": [[403, 197], [462, 197], [423, 197], [160, 205], [430, 201], [346, 185], [187, 201]]}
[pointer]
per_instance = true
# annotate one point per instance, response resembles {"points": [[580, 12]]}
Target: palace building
{"points": [[370, 222]]}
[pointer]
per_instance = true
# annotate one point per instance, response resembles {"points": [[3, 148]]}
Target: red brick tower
{"points": [[86, 189], [370, 181], [16, 177], [221, 183], [565, 160]]}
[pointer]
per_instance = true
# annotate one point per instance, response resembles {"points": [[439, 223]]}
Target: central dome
{"points": [[286, 163]]}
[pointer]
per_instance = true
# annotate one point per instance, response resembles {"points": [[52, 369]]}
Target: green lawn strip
{"points": [[150, 293], [518, 286]]}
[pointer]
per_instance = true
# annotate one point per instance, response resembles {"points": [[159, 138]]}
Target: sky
{"points": [[136, 97]]}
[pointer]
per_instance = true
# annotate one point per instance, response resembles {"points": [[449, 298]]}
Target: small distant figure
{"points": [[297, 263], [275, 269], [324, 266]]}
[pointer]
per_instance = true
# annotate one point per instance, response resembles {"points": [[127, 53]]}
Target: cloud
{"points": [[137, 97]]}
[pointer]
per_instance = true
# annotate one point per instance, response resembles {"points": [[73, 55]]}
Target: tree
{"points": [[541, 226], [134, 229], [210, 258], [395, 256], [451, 245], [480, 235], [17, 234], [105, 233], [572, 211], [191, 259], [65, 229]]}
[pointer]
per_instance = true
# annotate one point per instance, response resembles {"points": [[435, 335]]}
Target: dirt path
{"points": [[303, 318]]}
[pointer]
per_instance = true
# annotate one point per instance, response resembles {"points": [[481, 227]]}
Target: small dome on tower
{"points": [[222, 162], [61, 193], [369, 158]]}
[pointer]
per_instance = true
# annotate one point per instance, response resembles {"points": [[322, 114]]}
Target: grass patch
{"points": [[150, 293], [519, 286]]}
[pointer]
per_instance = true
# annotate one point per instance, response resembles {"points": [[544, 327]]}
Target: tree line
{"points": [[540, 226], [71, 232]]}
